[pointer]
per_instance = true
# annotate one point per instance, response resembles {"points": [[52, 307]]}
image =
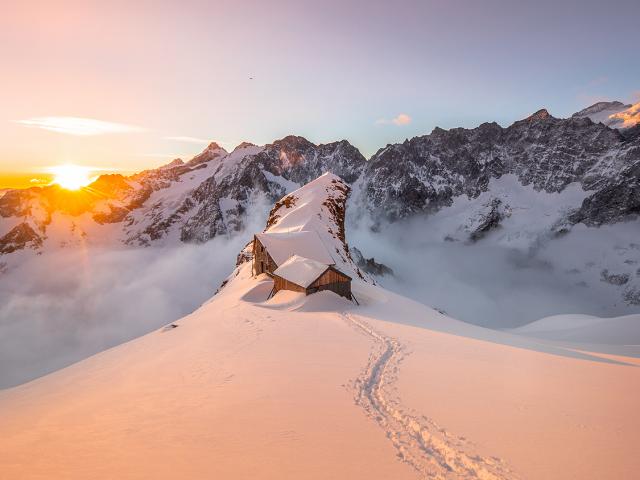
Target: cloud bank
{"points": [[491, 284]]}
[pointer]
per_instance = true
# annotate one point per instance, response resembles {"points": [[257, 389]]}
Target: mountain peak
{"points": [[600, 107], [213, 150], [541, 114], [244, 145], [294, 141], [612, 114], [174, 163]]}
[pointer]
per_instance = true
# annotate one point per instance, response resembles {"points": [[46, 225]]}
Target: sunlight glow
{"points": [[71, 177]]}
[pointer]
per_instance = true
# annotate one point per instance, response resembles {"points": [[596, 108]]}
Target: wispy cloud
{"points": [[79, 126], [399, 120], [188, 139]]}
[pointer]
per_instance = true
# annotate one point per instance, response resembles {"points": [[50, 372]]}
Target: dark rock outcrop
{"points": [[369, 265], [19, 237], [425, 174]]}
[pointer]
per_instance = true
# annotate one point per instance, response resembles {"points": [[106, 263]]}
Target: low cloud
{"points": [[399, 120], [67, 304], [99, 298], [488, 283], [79, 126]]}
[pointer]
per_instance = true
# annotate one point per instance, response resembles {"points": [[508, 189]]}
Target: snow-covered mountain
{"points": [[427, 173], [195, 201], [538, 184], [315, 387], [210, 194], [612, 114]]}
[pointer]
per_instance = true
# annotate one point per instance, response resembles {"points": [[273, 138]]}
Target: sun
{"points": [[71, 177]]}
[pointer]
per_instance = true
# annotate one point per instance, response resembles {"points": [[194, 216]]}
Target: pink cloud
{"points": [[399, 120]]}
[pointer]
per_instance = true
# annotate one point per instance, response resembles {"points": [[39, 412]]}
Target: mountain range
{"points": [[485, 183]]}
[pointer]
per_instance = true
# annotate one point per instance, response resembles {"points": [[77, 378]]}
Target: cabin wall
{"points": [[330, 276], [334, 281], [341, 288], [262, 261], [280, 283]]}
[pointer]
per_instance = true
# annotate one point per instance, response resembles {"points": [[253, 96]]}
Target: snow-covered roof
{"points": [[300, 270], [282, 245]]}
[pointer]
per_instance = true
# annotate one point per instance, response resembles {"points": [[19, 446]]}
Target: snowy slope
{"points": [[316, 387], [586, 329]]}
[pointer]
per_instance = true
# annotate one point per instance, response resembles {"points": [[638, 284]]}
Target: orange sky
{"points": [[169, 77]]}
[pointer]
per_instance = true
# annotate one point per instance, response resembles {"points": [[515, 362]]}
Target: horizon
{"points": [[44, 176], [97, 85]]}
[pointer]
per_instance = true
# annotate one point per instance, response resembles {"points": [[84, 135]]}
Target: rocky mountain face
{"points": [[427, 173]]}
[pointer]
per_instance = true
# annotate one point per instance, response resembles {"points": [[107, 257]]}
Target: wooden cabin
{"points": [[272, 249], [308, 276]]}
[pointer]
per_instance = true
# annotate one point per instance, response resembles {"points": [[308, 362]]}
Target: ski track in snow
{"points": [[419, 441]]}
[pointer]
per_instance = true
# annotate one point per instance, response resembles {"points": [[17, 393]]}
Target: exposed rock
{"points": [[614, 278], [369, 265], [617, 201], [488, 219], [632, 296], [19, 237], [426, 173]]}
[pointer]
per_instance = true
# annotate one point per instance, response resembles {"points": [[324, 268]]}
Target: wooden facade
{"points": [[331, 279], [262, 261]]}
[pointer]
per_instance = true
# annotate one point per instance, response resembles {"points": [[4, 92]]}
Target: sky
{"points": [[159, 80]]}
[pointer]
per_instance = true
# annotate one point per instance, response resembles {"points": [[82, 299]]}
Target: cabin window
{"points": [[261, 267]]}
